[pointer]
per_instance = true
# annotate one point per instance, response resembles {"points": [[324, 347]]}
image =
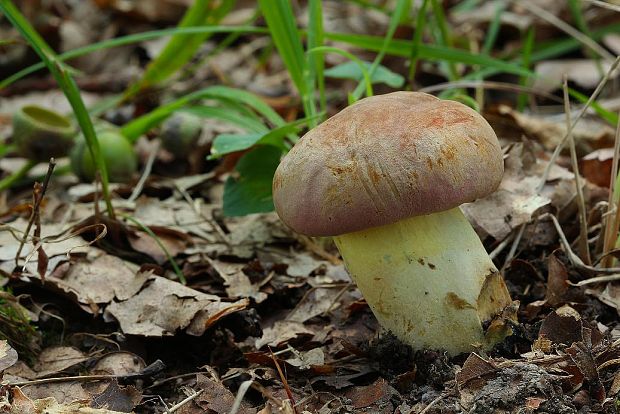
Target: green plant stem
{"points": [[10, 180], [68, 86]]}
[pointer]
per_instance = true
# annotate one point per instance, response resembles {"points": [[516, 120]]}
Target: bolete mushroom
{"points": [[385, 177]]}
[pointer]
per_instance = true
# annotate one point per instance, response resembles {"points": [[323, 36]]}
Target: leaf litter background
{"points": [[269, 321]]}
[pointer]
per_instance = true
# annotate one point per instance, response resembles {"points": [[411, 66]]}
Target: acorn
{"points": [[180, 133], [118, 155], [40, 134]]}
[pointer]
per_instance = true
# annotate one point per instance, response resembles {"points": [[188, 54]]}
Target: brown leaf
{"points": [[562, 327], [474, 367], [282, 332], [515, 201], [99, 281], [164, 306], [596, 166], [122, 399], [584, 72], [217, 398], [55, 359], [8, 356], [589, 133], [557, 279], [365, 396]]}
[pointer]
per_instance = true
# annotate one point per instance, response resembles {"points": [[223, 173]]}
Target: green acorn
{"points": [[41, 134], [180, 133], [118, 156]]}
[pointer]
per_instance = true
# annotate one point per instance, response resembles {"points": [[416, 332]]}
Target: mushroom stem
{"points": [[429, 280]]}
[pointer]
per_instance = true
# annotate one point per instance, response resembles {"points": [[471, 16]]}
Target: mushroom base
{"points": [[429, 280]]}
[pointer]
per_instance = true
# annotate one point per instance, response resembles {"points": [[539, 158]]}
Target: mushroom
{"points": [[385, 177]]}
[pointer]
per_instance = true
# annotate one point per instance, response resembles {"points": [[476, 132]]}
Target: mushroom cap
{"points": [[383, 159]]}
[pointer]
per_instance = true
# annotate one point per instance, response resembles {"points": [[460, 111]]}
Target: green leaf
{"points": [[227, 115], [250, 192], [230, 97], [351, 70], [282, 26], [227, 143]]}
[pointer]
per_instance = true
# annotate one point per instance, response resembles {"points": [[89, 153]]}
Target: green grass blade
{"points": [[68, 86], [133, 129], [444, 37], [181, 48], [430, 52], [316, 63], [283, 28], [493, 30], [131, 39], [399, 11], [227, 143], [526, 57], [367, 82], [227, 115], [247, 98], [418, 35]]}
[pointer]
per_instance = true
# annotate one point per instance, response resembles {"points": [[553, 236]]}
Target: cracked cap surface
{"points": [[383, 159]]}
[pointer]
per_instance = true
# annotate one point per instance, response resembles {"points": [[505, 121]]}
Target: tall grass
{"points": [[66, 82]]}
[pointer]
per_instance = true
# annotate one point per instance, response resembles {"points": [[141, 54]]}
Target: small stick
{"points": [[284, 381], [612, 221], [185, 401], [584, 251], [152, 369], [35, 208], [145, 174]]}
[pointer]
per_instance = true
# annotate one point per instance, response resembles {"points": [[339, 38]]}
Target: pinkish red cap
{"points": [[383, 159]]}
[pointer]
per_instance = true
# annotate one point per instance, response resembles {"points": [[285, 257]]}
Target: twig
{"points": [[432, 403], [35, 209], [145, 174], [581, 203], [612, 222], [573, 258], [284, 381], [604, 5], [183, 402], [243, 388], [597, 279]]}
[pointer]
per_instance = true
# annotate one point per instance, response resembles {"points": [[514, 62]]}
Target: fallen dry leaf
{"points": [[215, 398], [516, 200], [596, 166], [238, 284], [586, 73], [164, 307], [99, 280], [589, 133], [8, 356], [282, 332]]}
